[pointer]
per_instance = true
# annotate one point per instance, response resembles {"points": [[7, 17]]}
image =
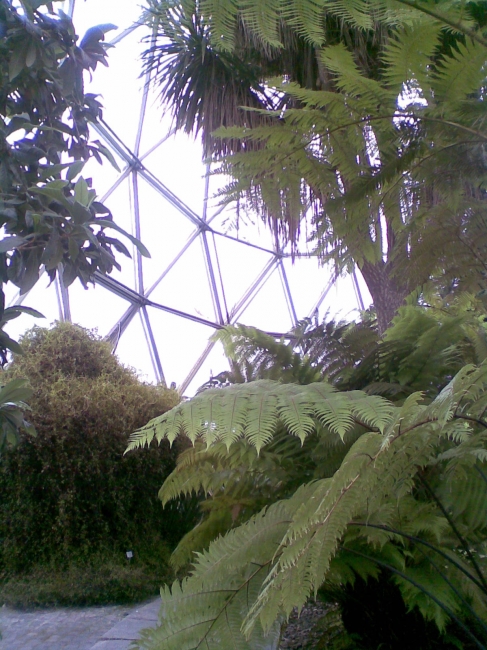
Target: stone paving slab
{"points": [[74, 628], [112, 645], [128, 629]]}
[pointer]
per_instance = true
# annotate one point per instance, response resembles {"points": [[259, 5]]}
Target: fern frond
{"points": [[350, 79], [283, 554], [206, 609], [335, 412], [408, 53], [263, 406], [460, 74], [261, 18], [199, 469], [223, 15], [352, 12], [295, 412], [306, 19], [371, 410], [465, 497]]}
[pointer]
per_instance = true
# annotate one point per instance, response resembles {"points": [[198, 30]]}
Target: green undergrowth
{"points": [[105, 580]]}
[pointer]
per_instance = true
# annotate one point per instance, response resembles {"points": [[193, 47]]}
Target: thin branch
{"points": [[459, 536], [470, 418], [418, 540], [422, 589], [458, 26]]}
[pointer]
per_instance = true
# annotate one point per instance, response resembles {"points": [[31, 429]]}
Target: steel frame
{"points": [[139, 298]]}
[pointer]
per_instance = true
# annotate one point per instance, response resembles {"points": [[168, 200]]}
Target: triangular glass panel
{"points": [[186, 286]]}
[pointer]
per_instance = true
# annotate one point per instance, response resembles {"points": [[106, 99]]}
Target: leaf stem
{"points": [[460, 537], [418, 540], [458, 26], [422, 589]]}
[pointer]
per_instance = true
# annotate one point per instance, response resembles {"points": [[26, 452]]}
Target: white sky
{"points": [[177, 163]]}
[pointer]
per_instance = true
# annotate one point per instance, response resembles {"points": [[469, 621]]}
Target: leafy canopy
{"points": [[364, 117]]}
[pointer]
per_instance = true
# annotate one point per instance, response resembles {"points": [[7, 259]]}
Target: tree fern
{"points": [[408, 55], [305, 17], [388, 96], [372, 508]]}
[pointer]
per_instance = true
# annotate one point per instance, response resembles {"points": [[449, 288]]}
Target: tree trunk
{"points": [[388, 292]]}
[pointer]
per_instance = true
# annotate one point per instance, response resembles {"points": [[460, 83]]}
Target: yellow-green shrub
{"points": [[69, 494]]}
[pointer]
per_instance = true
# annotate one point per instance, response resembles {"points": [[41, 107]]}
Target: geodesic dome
{"points": [[207, 268]]}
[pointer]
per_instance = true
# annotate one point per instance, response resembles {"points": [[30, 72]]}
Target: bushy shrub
{"points": [[70, 494]]}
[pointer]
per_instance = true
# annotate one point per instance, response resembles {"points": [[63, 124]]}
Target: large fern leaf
{"points": [[206, 609], [375, 464], [254, 411]]}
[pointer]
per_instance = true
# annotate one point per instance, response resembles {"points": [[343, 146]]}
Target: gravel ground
{"points": [[303, 632]]}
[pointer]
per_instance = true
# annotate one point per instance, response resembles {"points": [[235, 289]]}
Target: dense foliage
{"points": [[69, 495], [345, 492]]}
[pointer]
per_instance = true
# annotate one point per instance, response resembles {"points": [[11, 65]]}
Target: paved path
{"points": [[92, 628]]}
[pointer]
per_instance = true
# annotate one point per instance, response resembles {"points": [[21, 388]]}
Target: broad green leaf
{"points": [[9, 343], [17, 62], [81, 192], [16, 390], [105, 223], [53, 193], [14, 312], [53, 252], [80, 213], [31, 55]]}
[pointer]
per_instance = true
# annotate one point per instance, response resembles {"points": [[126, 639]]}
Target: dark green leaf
{"points": [[118, 246], [29, 428], [30, 57], [81, 193], [9, 343], [136, 242], [9, 213], [30, 273], [95, 34], [79, 213], [53, 252], [75, 169], [32, 219], [73, 248], [53, 193], [13, 312], [48, 171], [108, 155], [70, 273], [4, 177], [69, 75], [17, 62]]}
